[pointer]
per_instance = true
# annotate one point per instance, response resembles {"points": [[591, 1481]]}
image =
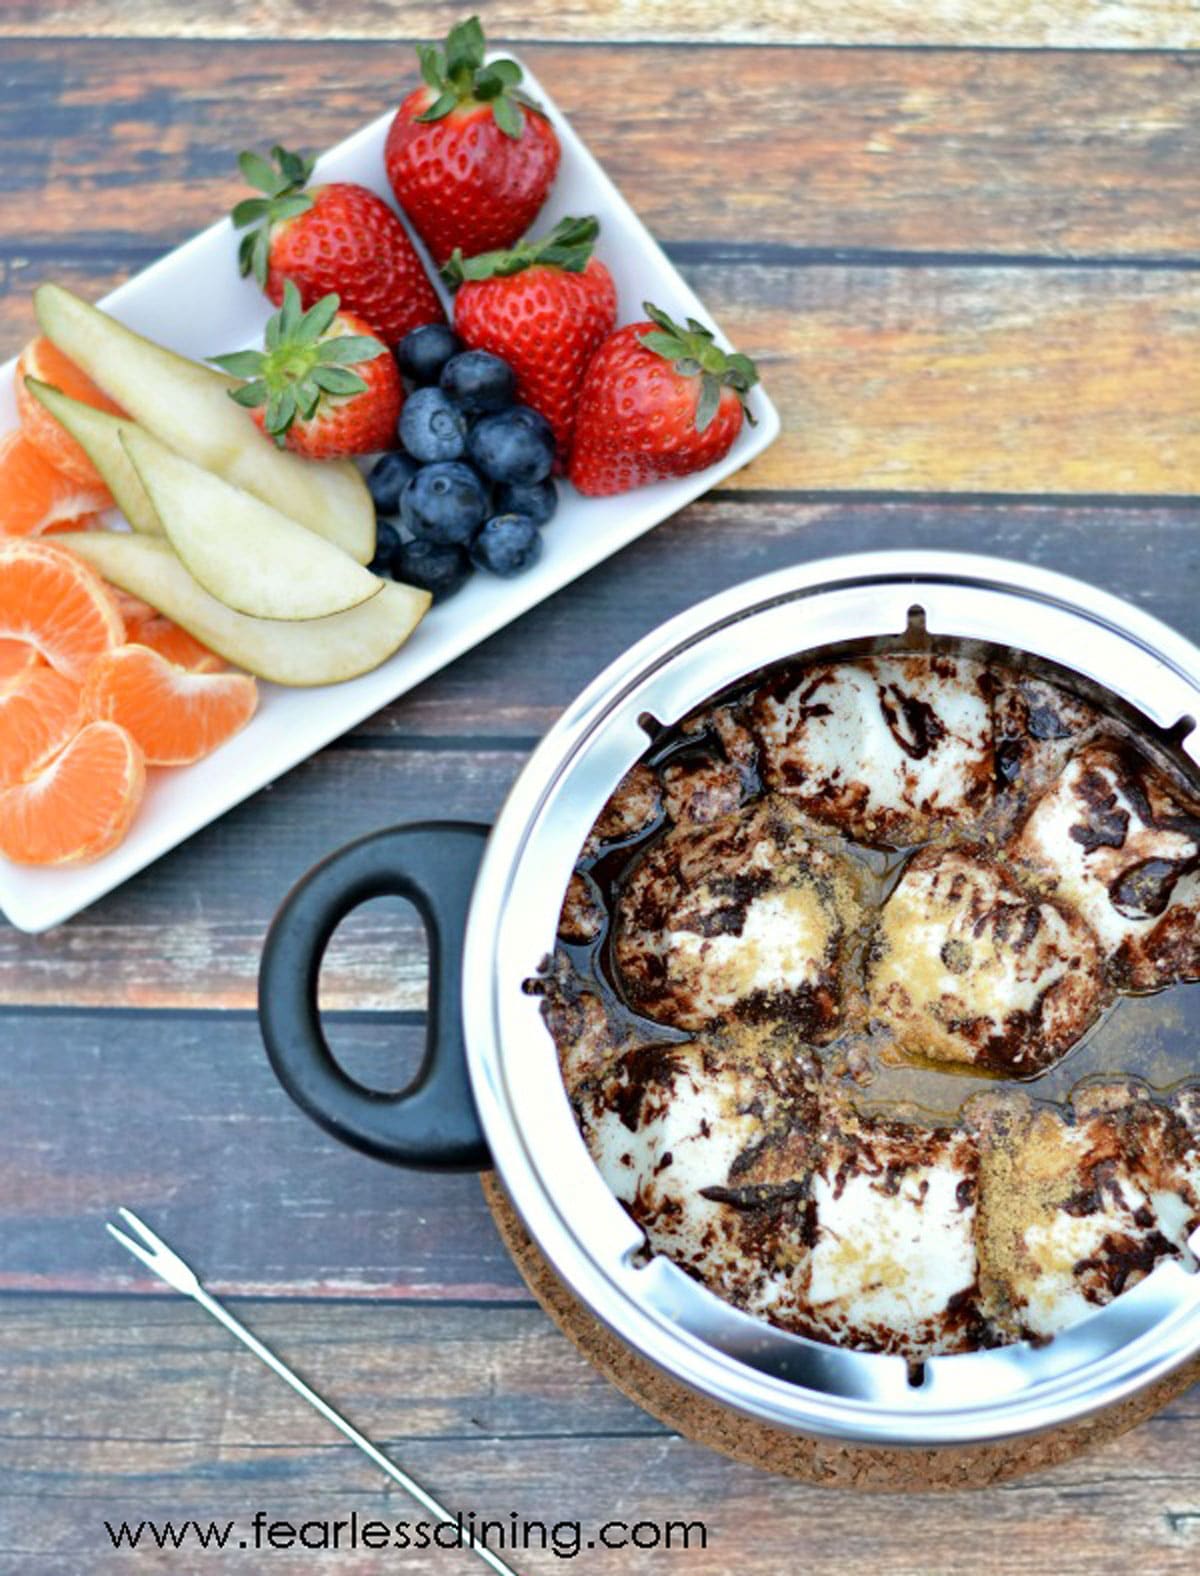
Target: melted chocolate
{"points": [[922, 727], [1144, 891]]}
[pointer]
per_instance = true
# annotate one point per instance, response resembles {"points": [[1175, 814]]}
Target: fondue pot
{"points": [[490, 1093]]}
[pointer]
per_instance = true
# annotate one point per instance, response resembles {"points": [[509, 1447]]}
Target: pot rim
{"points": [[570, 1212]]}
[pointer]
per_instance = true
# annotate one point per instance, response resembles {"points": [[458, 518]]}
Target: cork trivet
{"points": [[810, 1460]]}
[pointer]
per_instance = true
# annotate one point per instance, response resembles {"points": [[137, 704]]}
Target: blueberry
{"points": [[423, 352], [508, 544], [408, 516], [387, 540], [537, 501], [386, 480], [446, 503], [432, 427], [432, 567], [479, 382], [515, 445]]}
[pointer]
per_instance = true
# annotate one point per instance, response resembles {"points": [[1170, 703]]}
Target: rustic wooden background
{"points": [[962, 240]]}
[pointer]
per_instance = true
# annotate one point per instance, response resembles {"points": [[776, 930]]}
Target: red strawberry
{"points": [[338, 238], [657, 400], [543, 307], [324, 386], [470, 157]]}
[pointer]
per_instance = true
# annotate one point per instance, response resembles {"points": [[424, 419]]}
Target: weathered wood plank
{"points": [[425, 1371], [181, 1119], [1124, 24], [160, 1415], [187, 931], [953, 379], [1048, 155], [948, 379]]}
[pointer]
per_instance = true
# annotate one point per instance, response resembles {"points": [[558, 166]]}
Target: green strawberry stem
{"points": [[568, 246], [282, 185], [298, 366], [458, 75], [693, 352]]}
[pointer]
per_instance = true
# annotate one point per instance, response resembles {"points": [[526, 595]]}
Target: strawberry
{"points": [[470, 156], [324, 386], [337, 238], [543, 307], [657, 400]]}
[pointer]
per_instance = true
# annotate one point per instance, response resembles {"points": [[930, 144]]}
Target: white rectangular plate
{"points": [[194, 301]]}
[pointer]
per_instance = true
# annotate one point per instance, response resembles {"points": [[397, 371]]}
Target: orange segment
{"points": [[33, 494], [146, 626], [176, 717], [54, 601], [43, 360], [78, 807], [131, 608], [39, 714], [17, 657], [170, 641]]}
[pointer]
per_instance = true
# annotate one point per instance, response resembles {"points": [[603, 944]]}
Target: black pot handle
{"points": [[433, 1124]]}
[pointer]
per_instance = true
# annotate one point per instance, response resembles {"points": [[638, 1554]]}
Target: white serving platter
{"points": [[194, 301]]}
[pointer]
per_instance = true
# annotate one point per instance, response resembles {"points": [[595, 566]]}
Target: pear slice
{"points": [[320, 651], [241, 550], [187, 406], [98, 434]]}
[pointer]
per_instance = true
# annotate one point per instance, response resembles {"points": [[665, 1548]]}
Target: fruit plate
{"points": [[194, 301]]}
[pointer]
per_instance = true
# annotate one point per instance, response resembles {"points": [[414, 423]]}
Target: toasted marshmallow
{"points": [[1071, 1213], [967, 967], [892, 1266], [746, 917], [707, 1147], [887, 749], [1114, 838]]}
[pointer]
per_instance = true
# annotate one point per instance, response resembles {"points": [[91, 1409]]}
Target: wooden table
{"points": [[971, 274]]}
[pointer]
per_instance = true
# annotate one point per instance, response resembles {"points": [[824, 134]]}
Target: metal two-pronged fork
{"points": [[166, 1263]]}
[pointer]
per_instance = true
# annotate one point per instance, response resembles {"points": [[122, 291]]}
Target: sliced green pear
{"points": [[320, 651], [187, 406], [98, 434], [242, 551]]}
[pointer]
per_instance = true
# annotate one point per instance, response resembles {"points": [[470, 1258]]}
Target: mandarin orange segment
{"points": [[43, 360], [16, 659], [173, 642], [33, 494], [39, 714], [176, 716], [53, 600], [80, 806], [131, 608], [146, 626]]}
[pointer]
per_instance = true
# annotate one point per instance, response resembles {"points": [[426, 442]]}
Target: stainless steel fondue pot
{"points": [[490, 1092]]}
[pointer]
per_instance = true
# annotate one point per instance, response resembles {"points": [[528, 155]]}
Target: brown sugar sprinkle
{"points": [[1058, 1200]]}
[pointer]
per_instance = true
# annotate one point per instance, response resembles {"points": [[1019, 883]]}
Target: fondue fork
{"points": [[167, 1264]]}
